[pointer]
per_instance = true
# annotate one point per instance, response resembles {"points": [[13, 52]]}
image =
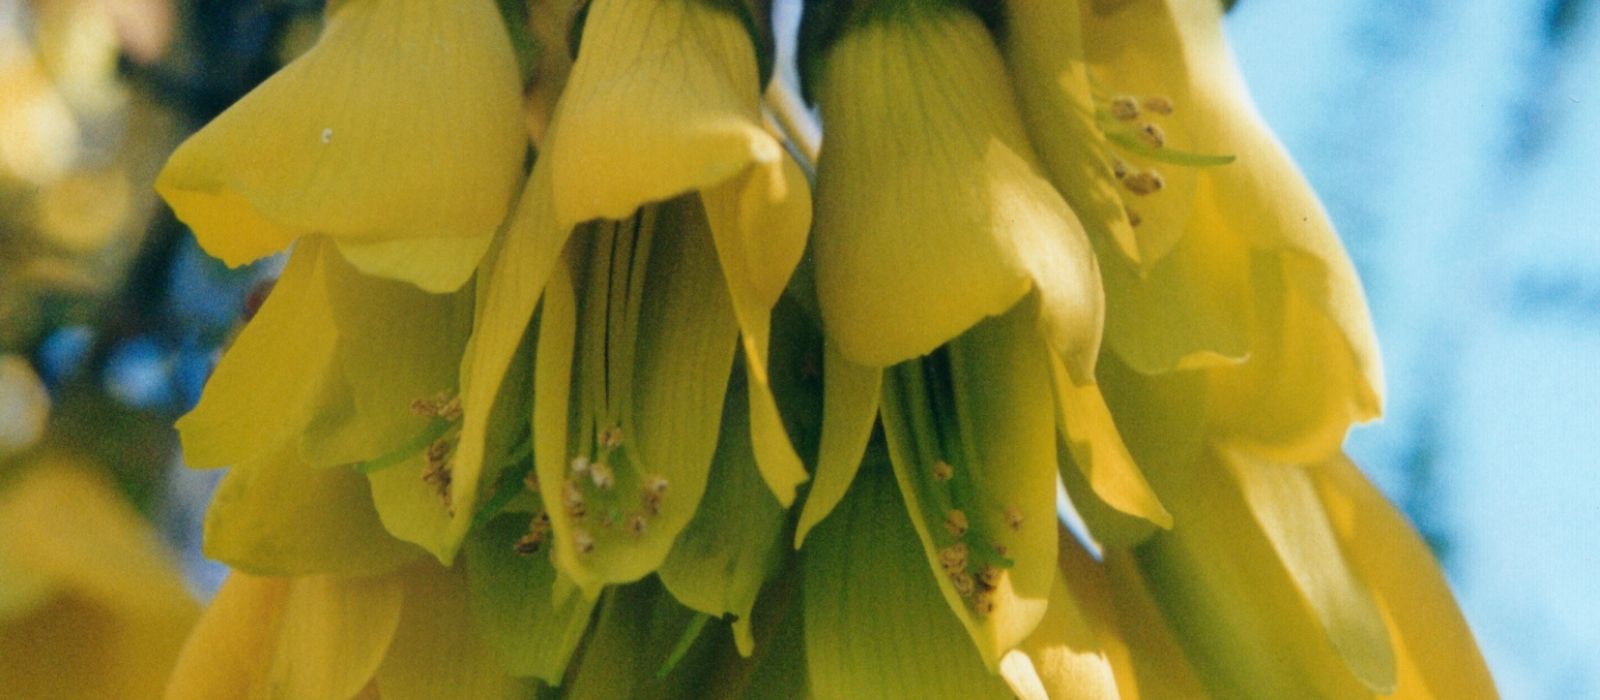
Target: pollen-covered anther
{"points": [[983, 602], [1133, 217], [636, 524], [1119, 168], [1125, 108], [1013, 518], [582, 541], [989, 576], [954, 558], [1153, 135], [450, 410], [531, 481], [579, 466], [534, 539], [600, 473], [963, 583], [942, 471], [653, 492], [955, 522], [1144, 182], [437, 475], [572, 500], [611, 438], [1159, 104]]}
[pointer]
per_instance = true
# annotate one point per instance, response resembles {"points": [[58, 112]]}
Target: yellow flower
{"points": [[647, 256], [399, 135], [24, 405], [950, 202], [90, 604]]}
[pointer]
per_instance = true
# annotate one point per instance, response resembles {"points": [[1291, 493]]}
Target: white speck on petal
{"points": [[327, 135]]}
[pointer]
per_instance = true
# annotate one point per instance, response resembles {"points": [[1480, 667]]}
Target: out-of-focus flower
{"points": [[24, 405], [90, 604]]}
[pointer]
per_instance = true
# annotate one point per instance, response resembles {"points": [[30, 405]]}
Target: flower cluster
{"points": [[491, 444]]}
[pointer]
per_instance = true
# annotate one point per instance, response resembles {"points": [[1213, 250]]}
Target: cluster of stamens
{"points": [[1129, 111], [974, 565], [590, 493], [436, 471]]}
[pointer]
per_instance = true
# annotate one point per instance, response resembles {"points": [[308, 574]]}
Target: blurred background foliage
{"points": [[1453, 143]]}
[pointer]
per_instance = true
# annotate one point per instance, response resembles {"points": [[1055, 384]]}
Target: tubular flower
{"points": [[90, 604], [602, 439]]}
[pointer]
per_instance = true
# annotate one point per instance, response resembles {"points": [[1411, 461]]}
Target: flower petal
{"points": [[1044, 52], [927, 227], [1285, 504], [663, 99], [685, 348], [1004, 416], [263, 390], [332, 634], [875, 626], [335, 143], [1238, 612], [276, 515], [1438, 655], [1060, 656], [735, 541], [1191, 309], [759, 222], [1159, 668], [509, 293], [850, 409], [230, 650], [512, 603], [1098, 451], [435, 654]]}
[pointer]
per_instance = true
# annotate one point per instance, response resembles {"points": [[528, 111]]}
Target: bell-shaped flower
{"points": [[1142, 118], [659, 228], [399, 135]]}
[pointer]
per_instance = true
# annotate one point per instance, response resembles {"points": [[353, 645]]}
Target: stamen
{"points": [[580, 466], [1013, 518], [572, 500], [582, 541], [451, 409], [942, 471], [528, 544], [1144, 182], [954, 557], [989, 576], [1153, 134], [955, 522], [600, 473], [1119, 168], [636, 524], [1159, 104], [963, 583], [531, 481], [1133, 217], [983, 603], [611, 438], [1125, 108], [652, 493]]}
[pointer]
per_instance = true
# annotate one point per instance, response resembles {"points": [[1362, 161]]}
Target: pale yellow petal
{"points": [[262, 392], [1064, 658], [508, 296], [230, 650], [850, 409], [332, 634], [435, 654], [277, 515], [663, 99], [335, 143], [925, 227], [1439, 658], [1098, 451], [759, 222]]}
